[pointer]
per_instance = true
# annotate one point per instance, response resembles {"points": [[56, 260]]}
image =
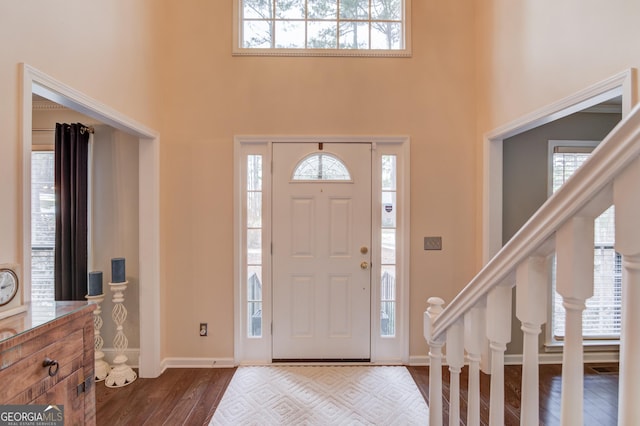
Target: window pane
{"points": [[388, 10], [605, 228], [322, 9], [603, 314], [257, 35], [354, 9], [323, 24], [290, 9], [322, 35], [354, 35], [290, 34], [254, 283], [257, 9], [43, 204], [254, 209], [388, 246], [388, 209], [386, 35], [389, 172], [254, 246], [255, 319], [321, 167], [388, 283], [388, 319], [254, 172], [42, 274], [43, 226]]}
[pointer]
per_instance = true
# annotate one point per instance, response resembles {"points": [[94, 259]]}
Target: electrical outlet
{"points": [[433, 243], [203, 329]]}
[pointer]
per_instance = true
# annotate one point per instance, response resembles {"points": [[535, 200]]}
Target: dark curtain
{"points": [[71, 157]]}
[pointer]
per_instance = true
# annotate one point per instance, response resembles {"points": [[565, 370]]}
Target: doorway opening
{"points": [[502, 213], [35, 82]]}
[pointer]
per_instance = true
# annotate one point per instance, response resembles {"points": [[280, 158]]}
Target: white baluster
{"points": [[474, 339], [435, 361], [574, 251], [531, 310], [455, 359], [626, 198], [499, 334]]}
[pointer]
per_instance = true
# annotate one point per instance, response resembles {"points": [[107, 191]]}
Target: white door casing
{"points": [[252, 349], [321, 233]]}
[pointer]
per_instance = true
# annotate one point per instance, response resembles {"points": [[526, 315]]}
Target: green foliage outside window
{"points": [[323, 24]]}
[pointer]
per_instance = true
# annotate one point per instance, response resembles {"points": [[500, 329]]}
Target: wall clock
{"points": [[11, 291], [8, 285]]}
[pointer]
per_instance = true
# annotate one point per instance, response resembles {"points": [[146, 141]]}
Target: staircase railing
{"points": [[477, 323]]}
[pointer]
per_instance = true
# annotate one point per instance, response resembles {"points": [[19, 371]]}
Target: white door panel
{"points": [[321, 293]]}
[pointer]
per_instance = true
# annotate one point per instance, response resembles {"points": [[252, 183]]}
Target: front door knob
{"points": [[364, 265]]}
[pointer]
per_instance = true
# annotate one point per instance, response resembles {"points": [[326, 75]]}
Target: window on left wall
{"points": [[43, 225]]}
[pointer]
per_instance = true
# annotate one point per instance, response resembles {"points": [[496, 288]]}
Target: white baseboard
{"points": [[197, 363], [417, 361]]}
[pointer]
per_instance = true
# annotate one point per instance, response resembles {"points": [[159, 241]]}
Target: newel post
{"points": [[626, 198], [435, 361]]}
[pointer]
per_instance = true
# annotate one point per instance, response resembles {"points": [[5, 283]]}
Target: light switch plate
{"points": [[433, 243]]}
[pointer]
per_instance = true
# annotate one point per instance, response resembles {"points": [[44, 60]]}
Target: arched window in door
{"points": [[321, 166]]}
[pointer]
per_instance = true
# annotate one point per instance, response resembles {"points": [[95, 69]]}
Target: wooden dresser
{"points": [[63, 336]]}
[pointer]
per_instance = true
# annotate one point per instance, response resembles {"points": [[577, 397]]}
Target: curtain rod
{"points": [[90, 128]]}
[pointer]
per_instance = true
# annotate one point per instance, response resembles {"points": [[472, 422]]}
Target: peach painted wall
{"points": [[462, 81], [103, 49], [532, 53], [209, 96]]}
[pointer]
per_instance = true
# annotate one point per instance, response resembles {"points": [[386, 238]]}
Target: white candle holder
{"points": [[101, 366], [121, 374]]}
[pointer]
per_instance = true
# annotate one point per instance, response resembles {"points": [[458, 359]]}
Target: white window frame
{"points": [[551, 343], [384, 350], [238, 50]]}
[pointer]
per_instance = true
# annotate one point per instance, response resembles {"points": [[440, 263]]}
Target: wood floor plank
{"points": [[211, 398]]}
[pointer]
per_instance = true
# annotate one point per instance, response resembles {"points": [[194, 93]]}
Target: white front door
{"points": [[321, 219]]}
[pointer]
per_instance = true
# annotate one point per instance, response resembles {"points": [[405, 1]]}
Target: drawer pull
{"points": [[52, 364]]}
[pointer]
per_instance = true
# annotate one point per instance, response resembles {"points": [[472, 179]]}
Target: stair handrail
{"points": [[587, 187]]}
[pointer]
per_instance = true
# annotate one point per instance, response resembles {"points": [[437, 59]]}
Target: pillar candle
{"points": [[117, 270], [95, 283]]}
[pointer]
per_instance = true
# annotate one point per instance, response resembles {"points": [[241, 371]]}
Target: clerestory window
{"points": [[322, 27]]}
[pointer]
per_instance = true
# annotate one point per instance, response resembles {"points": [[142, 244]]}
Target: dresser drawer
{"points": [[68, 339], [22, 374]]}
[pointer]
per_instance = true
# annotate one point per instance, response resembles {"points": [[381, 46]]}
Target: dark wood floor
{"points": [[190, 396], [600, 393], [180, 396]]}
